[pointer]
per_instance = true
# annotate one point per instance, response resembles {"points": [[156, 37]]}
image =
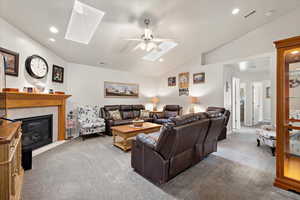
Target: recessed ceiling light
{"points": [[83, 23], [53, 29], [161, 60], [235, 11], [52, 40], [295, 52]]}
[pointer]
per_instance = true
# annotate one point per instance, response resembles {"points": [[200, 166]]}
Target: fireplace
{"points": [[37, 131]]}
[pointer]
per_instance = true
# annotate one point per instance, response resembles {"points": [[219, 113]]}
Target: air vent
{"points": [[252, 12]]}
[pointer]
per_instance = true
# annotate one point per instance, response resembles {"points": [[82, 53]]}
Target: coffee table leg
{"points": [[114, 137]]}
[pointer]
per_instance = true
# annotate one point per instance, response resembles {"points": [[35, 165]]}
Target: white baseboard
{"points": [[47, 147]]}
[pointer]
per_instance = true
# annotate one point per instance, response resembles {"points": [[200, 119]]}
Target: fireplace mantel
{"points": [[30, 100]]}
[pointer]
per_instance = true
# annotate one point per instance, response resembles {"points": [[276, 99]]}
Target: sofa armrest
{"points": [[145, 140], [159, 115]]}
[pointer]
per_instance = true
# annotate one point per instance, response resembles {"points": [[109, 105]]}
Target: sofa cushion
{"points": [[185, 119], [115, 114], [111, 107], [213, 114], [121, 122], [219, 109], [172, 108], [138, 107], [162, 121], [125, 107], [169, 114], [136, 113], [127, 115], [144, 114]]}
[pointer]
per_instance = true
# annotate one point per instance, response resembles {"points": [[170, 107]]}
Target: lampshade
{"points": [[194, 100], [155, 100]]}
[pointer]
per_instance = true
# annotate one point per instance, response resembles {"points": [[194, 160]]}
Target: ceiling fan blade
{"points": [[134, 39], [162, 40], [139, 46]]}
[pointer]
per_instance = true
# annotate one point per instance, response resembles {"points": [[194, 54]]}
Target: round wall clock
{"points": [[36, 66]]}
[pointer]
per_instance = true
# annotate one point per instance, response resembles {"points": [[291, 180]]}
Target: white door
{"points": [[236, 105], [257, 103]]}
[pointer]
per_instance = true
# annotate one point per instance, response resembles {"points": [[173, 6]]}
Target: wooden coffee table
{"points": [[128, 131]]}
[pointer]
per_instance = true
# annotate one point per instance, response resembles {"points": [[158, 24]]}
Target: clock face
{"points": [[36, 66]]}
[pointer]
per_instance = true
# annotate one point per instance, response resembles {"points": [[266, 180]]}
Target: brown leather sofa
{"points": [[178, 146], [168, 112], [226, 114], [128, 113]]}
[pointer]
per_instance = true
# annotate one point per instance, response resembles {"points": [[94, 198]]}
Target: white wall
{"points": [[258, 41], [86, 85], [210, 93], [15, 40]]}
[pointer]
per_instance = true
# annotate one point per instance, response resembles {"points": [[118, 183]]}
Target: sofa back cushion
{"points": [[184, 119], [127, 115], [215, 128], [169, 114], [172, 108]]}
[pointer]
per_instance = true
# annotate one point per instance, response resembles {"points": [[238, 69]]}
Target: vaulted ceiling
{"points": [[197, 25]]}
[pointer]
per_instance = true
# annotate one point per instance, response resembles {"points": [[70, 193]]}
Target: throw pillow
{"points": [[115, 114], [144, 114]]}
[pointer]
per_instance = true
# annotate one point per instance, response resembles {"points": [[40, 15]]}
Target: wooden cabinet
{"points": [[288, 114], [11, 171]]}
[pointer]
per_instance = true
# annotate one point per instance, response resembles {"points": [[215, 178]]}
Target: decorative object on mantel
{"points": [[183, 81], [10, 90], [9, 61], [154, 101], [36, 66], [58, 92], [172, 81], [51, 91], [120, 90], [199, 78], [57, 74], [193, 101]]}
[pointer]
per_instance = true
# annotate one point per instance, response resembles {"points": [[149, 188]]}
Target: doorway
{"points": [[257, 103]]}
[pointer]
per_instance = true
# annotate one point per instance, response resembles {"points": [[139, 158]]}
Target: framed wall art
{"points": [[10, 62], [172, 81], [120, 90], [183, 80], [199, 78], [57, 74]]}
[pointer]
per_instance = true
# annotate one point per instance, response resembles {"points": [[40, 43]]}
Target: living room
{"points": [[144, 71]]}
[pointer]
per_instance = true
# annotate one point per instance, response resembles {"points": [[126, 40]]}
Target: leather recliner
{"points": [[128, 113], [180, 144], [168, 112], [226, 114]]}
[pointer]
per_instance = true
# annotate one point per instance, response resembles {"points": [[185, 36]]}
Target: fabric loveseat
{"points": [[128, 113], [179, 145]]}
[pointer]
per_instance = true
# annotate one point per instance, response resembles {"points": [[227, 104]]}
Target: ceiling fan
{"points": [[147, 41]]}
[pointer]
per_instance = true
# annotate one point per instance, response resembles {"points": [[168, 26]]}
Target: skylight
{"points": [[163, 48], [83, 23]]}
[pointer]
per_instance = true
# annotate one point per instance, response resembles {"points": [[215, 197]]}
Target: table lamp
{"points": [[194, 101], [154, 101]]}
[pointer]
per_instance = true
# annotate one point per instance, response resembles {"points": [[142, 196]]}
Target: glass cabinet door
{"points": [[292, 115]]}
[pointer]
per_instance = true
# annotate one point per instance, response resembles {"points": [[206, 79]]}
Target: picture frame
{"points": [[172, 81], [183, 80], [183, 91], [10, 62], [121, 90], [58, 74], [199, 78]]}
